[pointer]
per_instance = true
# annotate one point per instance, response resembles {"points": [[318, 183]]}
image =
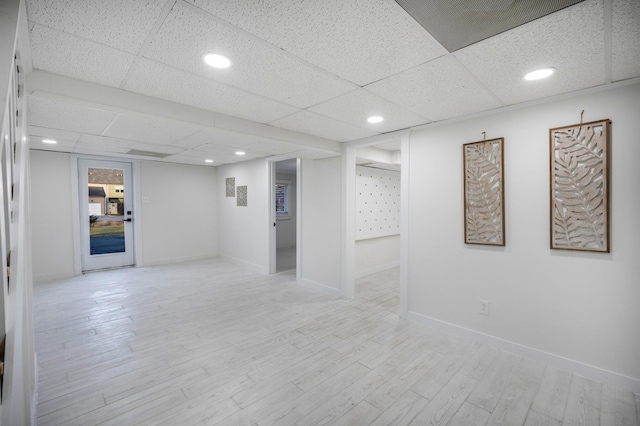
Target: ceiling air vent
{"points": [[460, 23], [147, 153]]}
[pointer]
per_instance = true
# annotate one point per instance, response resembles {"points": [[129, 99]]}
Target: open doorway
{"points": [[377, 222], [377, 213], [376, 201], [286, 214]]}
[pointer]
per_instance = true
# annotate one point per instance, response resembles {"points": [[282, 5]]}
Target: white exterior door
{"points": [[106, 239]]}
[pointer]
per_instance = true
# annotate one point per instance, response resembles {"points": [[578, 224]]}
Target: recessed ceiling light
{"points": [[240, 152], [375, 119], [49, 141], [217, 61], [539, 74], [208, 160]]}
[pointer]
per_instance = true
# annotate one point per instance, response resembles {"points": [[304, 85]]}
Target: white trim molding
{"points": [[576, 367], [320, 287]]}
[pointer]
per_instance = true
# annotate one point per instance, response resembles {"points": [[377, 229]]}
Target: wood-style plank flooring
{"points": [[210, 343], [285, 259]]}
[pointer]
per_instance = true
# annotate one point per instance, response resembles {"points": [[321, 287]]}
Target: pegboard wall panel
{"points": [[377, 203]]}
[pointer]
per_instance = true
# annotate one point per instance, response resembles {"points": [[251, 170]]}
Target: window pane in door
{"points": [[106, 211]]}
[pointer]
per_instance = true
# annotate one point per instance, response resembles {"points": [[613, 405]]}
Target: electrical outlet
{"points": [[484, 307]]}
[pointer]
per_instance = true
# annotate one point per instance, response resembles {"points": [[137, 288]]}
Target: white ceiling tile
{"points": [[65, 54], [83, 147], [218, 137], [571, 40], [438, 90], [197, 139], [228, 151], [210, 148], [359, 41], [194, 154], [124, 145], [55, 114], [181, 159], [299, 66], [311, 154], [96, 141], [123, 24], [53, 148], [161, 81], [199, 157], [394, 145], [152, 130], [110, 151], [625, 39], [271, 147], [114, 153], [382, 166], [186, 35], [355, 107], [319, 125], [50, 133], [35, 142]]}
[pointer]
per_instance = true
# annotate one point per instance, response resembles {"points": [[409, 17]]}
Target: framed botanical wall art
{"points": [[241, 199], [230, 186], [579, 180], [484, 192]]}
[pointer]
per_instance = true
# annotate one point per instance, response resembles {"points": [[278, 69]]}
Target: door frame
{"points": [[349, 214], [75, 208], [272, 213]]}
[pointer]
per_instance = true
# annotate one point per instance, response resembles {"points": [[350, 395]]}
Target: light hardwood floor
{"points": [[211, 343], [285, 259]]}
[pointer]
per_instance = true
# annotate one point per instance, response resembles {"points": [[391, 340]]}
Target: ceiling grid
{"points": [[304, 76]]}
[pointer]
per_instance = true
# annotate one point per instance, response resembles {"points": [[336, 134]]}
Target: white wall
{"points": [[16, 293], [179, 221], [179, 213], [376, 254], [578, 306], [320, 224], [377, 220], [51, 216], [244, 231], [286, 228], [377, 202]]}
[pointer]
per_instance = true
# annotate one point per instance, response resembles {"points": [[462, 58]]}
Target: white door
{"points": [[106, 238]]}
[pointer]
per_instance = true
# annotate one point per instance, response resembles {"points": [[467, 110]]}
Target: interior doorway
{"points": [[367, 250], [105, 196], [285, 214]]}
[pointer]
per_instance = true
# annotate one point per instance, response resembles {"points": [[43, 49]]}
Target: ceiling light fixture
{"points": [[375, 119], [539, 74], [240, 152], [217, 61], [49, 141], [208, 160]]}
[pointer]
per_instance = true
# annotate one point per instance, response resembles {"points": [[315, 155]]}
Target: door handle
{"points": [[127, 220]]}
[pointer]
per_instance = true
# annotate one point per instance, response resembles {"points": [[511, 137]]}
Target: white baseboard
{"points": [[173, 260], [60, 276], [576, 367], [34, 395], [320, 287], [52, 277], [376, 269], [251, 266]]}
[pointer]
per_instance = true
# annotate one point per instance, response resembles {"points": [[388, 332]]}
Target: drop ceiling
{"points": [[125, 78]]}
